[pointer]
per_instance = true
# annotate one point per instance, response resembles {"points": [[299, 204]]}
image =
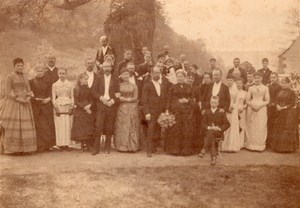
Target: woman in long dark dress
{"points": [[83, 121], [197, 141], [181, 101], [284, 135], [19, 134], [42, 111]]}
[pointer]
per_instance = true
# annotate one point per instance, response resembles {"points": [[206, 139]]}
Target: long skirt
{"points": [[19, 133], [127, 128], [44, 123], [256, 132], [83, 127], [284, 134], [63, 127], [180, 138], [232, 141], [242, 129]]}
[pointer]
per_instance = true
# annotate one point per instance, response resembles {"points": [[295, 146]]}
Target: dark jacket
{"points": [[273, 91], [151, 102], [52, 76], [224, 97], [266, 75], [99, 88], [243, 73], [218, 119], [143, 69], [100, 55]]}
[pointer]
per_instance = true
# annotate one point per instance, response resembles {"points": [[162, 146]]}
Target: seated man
{"points": [[214, 123]]}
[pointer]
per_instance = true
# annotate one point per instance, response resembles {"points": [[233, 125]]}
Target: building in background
{"points": [[289, 60]]}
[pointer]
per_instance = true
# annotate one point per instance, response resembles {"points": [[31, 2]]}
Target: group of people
{"points": [[119, 105]]}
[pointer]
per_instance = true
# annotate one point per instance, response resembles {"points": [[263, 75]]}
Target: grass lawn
{"points": [[184, 186]]}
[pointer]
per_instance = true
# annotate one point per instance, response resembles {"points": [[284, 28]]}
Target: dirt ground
{"points": [[76, 179]]}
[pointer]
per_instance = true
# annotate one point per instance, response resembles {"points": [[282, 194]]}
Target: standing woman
{"points": [[181, 104], [257, 99], [241, 107], [19, 134], [231, 141], [206, 82], [127, 121], [83, 127], [285, 126], [63, 101], [43, 111]]}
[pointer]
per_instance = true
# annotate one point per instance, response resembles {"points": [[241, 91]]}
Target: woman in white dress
{"points": [[63, 101], [231, 141], [241, 106], [257, 99]]}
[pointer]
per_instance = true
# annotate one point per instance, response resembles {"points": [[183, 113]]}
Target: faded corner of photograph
{"points": [[149, 103]]}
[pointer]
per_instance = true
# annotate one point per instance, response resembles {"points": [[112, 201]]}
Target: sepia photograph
{"points": [[149, 103]]}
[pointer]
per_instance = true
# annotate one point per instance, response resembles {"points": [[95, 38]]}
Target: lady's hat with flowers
{"points": [[166, 120]]}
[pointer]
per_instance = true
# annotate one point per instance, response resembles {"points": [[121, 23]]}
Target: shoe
{"points": [[95, 152], [213, 161], [201, 154], [107, 152], [149, 155]]}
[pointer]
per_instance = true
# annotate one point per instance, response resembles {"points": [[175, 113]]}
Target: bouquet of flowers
{"points": [[166, 120]]}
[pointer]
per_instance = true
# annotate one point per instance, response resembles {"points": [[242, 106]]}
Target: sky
{"points": [[232, 25]]}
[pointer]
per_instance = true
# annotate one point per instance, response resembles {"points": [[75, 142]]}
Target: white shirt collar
{"points": [[213, 110], [157, 87], [107, 77], [51, 68], [104, 49], [160, 79], [217, 84]]}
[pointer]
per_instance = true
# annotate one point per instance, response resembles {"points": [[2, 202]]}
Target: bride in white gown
{"points": [[257, 99]]}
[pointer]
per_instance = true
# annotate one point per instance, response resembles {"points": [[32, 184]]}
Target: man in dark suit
{"points": [[145, 68], [274, 88], [243, 73], [92, 80], [104, 50], [105, 91], [154, 98], [51, 70], [128, 57], [214, 123], [162, 79], [217, 88], [266, 72]]}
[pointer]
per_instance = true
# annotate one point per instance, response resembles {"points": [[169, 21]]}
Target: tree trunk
{"points": [[131, 25]]}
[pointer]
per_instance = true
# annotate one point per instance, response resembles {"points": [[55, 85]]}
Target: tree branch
{"points": [[72, 4]]}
